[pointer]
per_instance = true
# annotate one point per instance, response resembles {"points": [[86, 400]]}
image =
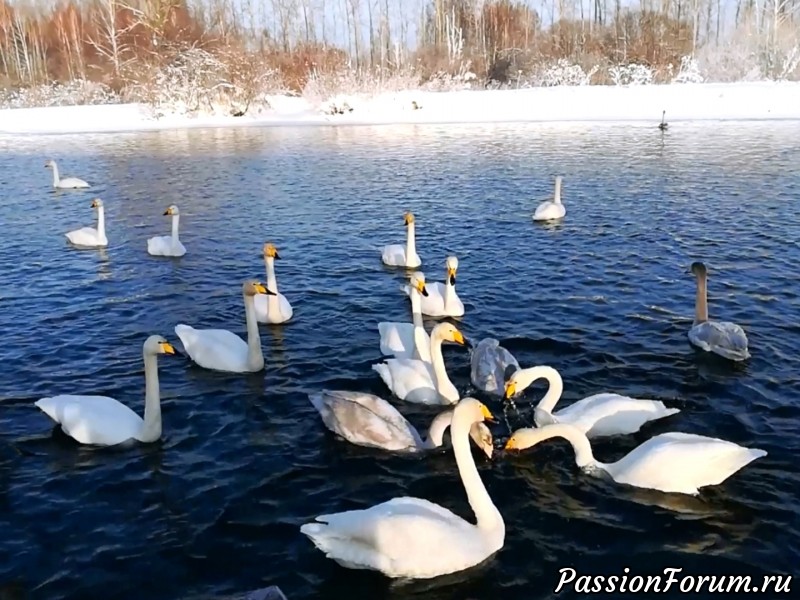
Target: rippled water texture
{"points": [[215, 506]]}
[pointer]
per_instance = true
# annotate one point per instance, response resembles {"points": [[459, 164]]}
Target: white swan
{"points": [[552, 209], [422, 382], [596, 416], [491, 365], [442, 300], [90, 237], [669, 462], [223, 350], [367, 420], [720, 337], [396, 255], [408, 340], [272, 308], [167, 245], [68, 183], [414, 538], [103, 421]]}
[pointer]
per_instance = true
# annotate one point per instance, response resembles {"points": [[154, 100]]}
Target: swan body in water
{"points": [[596, 416], [414, 538], [491, 365], [670, 462], [104, 421], [68, 183], [89, 237], [720, 337], [552, 209], [418, 381], [272, 308], [167, 245], [223, 350], [368, 420], [442, 299], [408, 340], [397, 255]]}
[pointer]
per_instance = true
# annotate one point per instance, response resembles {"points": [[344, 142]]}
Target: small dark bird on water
{"points": [[663, 125]]}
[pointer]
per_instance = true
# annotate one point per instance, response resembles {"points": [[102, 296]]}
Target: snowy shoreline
{"points": [[566, 104]]}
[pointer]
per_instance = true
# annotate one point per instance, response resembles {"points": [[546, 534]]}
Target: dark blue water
{"points": [[215, 506]]}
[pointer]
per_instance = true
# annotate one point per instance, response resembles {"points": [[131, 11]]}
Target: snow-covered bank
{"points": [[683, 102]]}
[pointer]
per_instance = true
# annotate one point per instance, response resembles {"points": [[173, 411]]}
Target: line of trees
{"points": [[119, 42]]}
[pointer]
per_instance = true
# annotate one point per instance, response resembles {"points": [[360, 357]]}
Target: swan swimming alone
{"points": [[103, 421], [167, 245], [595, 416], [272, 308], [223, 350], [442, 300], [670, 462], [408, 340], [417, 381], [396, 255], [414, 538], [490, 366], [89, 237], [551, 209], [68, 183], [368, 420], [720, 337]]}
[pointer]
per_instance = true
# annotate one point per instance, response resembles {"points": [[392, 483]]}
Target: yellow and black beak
{"points": [[263, 289], [276, 255], [511, 444], [487, 414], [408, 219], [451, 275], [166, 348], [458, 338], [511, 389], [422, 289], [95, 204]]}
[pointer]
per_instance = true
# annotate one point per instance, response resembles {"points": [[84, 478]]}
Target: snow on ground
{"points": [[639, 103]]}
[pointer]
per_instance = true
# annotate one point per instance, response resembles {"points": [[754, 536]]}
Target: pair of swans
{"points": [[89, 237], [415, 538], [272, 308], [551, 210], [673, 462], [441, 299], [67, 183], [368, 420], [168, 245], [720, 337], [397, 255], [104, 421], [421, 381]]}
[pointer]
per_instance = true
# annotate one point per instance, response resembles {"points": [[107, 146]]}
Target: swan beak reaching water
{"points": [[451, 274], [511, 389], [511, 444]]}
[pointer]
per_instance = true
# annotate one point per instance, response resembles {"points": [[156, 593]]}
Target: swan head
{"points": [[523, 438], [408, 218], [251, 287], [452, 267], [97, 203], [418, 283], [172, 211], [156, 344], [698, 269], [49, 164], [474, 410], [447, 332], [270, 251]]}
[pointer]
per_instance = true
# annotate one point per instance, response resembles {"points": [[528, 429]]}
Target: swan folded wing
{"points": [[97, 420], [159, 245], [397, 339], [219, 349], [394, 254], [682, 462], [612, 414], [721, 337], [83, 236], [261, 302], [286, 307], [549, 210], [72, 182], [410, 380]]}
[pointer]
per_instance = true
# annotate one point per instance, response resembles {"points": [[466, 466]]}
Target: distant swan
{"points": [[66, 183], [413, 538], [491, 365], [103, 421], [367, 420], [663, 125], [223, 350], [669, 462], [273, 308], [89, 237], [422, 382], [596, 416], [396, 255], [167, 245], [720, 337], [552, 209], [442, 300], [408, 340]]}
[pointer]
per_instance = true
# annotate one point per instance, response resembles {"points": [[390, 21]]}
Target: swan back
{"points": [[491, 365]]}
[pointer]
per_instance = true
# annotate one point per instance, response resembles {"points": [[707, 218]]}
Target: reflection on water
{"points": [[215, 506]]}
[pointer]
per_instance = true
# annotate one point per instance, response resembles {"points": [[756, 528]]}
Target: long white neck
{"points": [[556, 387], [175, 219], [411, 242], [272, 284], [420, 336], [444, 386], [436, 431], [486, 514], [449, 291], [557, 194], [580, 443], [701, 301], [56, 178], [151, 429], [255, 356], [101, 222]]}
